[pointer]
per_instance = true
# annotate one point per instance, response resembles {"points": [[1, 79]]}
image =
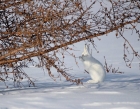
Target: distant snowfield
{"points": [[118, 91]]}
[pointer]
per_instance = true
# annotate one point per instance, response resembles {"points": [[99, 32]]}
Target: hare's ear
{"points": [[89, 50], [86, 50]]}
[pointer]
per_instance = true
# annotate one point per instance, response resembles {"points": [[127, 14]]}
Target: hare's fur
{"points": [[92, 66]]}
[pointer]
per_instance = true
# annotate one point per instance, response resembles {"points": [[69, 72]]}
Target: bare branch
{"points": [[45, 28]]}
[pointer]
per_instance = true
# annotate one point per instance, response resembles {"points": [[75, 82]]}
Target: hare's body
{"points": [[92, 66]]}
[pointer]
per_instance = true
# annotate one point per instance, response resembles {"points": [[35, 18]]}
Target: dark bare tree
{"points": [[45, 28]]}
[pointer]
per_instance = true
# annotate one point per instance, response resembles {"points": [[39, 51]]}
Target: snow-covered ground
{"points": [[118, 91]]}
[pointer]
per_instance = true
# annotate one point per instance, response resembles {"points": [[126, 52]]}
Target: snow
{"points": [[118, 91]]}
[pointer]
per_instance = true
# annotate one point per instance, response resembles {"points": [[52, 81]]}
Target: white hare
{"points": [[92, 66]]}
